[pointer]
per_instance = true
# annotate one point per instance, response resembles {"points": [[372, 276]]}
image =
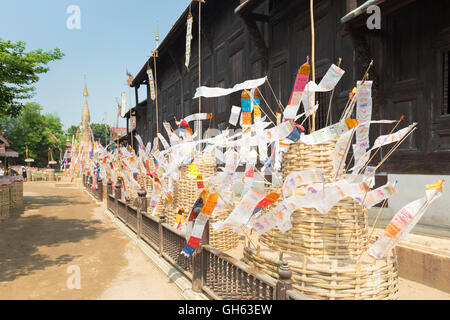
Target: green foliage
{"points": [[101, 131], [19, 70], [40, 132], [71, 132]]}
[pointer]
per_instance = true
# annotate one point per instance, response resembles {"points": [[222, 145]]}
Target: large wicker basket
{"points": [[323, 249], [16, 195], [324, 278], [186, 193], [4, 202], [341, 233]]}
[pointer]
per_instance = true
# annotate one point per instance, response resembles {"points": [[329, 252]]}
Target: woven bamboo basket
{"points": [[330, 279], [341, 233], [19, 194], [186, 193], [15, 193], [322, 250], [4, 202], [225, 239]]}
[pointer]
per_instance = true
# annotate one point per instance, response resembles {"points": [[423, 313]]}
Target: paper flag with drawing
{"points": [[404, 220]]}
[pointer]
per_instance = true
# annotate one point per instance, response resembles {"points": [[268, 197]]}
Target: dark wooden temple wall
{"points": [[414, 42], [410, 56]]}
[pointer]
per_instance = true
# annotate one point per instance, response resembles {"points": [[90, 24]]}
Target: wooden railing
{"points": [[96, 192], [211, 271]]}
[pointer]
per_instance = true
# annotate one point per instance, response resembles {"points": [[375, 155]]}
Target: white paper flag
{"points": [[218, 92], [234, 116]]}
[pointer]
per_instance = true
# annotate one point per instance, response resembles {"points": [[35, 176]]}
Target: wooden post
{"points": [[108, 192], [142, 207], [100, 189], [162, 219], [109, 187], [117, 196], [199, 263], [284, 282]]}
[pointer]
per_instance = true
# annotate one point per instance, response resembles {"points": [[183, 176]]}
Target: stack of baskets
{"points": [[186, 193], [325, 251], [16, 194], [50, 175], [225, 239], [4, 201]]}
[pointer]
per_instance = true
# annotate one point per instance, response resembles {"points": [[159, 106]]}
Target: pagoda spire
{"points": [[85, 92], [85, 115]]}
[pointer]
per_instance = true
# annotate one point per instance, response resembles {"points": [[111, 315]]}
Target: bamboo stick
{"points": [[352, 101], [313, 63], [390, 152], [378, 149], [274, 95]]}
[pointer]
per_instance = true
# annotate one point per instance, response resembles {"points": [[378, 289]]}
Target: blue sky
{"points": [[114, 36]]}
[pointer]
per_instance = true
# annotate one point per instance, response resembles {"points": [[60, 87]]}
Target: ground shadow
{"points": [[20, 241], [37, 202]]}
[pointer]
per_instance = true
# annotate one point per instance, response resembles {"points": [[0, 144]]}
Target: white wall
{"points": [[411, 187]]}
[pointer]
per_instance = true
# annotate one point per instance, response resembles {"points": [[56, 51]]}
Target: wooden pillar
{"points": [[199, 263], [117, 196], [100, 189], [108, 192], [162, 219], [142, 207], [136, 94], [284, 282], [109, 187]]}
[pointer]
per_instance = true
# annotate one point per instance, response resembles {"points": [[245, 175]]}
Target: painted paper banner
{"points": [[151, 83], [234, 116], [198, 116], [363, 113], [280, 131], [381, 141], [196, 235], [210, 204], [275, 217], [296, 96], [188, 40], [257, 113], [404, 220], [163, 141], [180, 219], [340, 152], [325, 134], [376, 196], [303, 92], [218, 92], [331, 78], [242, 212], [298, 178], [267, 201], [123, 106], [231, 160], [246, 118], [246, 104], [193, 171]]}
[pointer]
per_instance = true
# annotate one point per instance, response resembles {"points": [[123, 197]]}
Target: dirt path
{"points": [[61, 229]]}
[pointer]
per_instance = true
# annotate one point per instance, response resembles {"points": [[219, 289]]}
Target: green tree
{"points": [[101, 132], [19, 70], [71, 132], [40, 132]]}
